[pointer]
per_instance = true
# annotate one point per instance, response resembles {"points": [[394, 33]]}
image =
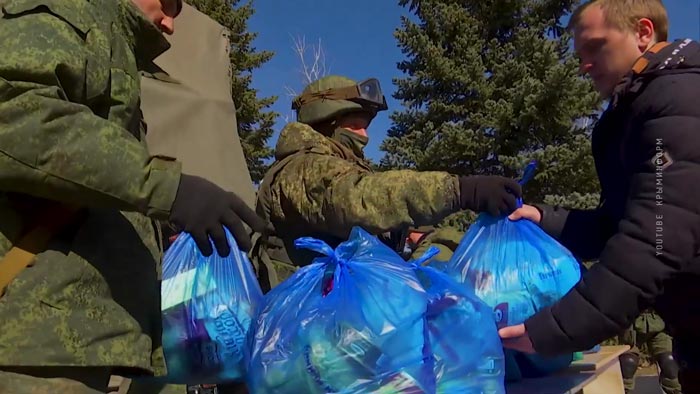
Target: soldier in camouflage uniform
{"points": [[649, 329], [321, 185], [70, 135]]}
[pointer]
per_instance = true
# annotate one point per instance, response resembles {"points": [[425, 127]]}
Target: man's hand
{"points": [[493, 194], [203, 209], [527, 212], [516, 338]]}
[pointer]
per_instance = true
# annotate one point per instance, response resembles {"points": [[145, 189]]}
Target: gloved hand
{"points": [[494, 194], [203, 209]]}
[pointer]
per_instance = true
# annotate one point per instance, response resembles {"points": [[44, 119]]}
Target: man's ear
{"points": [[645, 34]]}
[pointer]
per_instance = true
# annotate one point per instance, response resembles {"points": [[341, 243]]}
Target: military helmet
{"points": [[333, 96]]}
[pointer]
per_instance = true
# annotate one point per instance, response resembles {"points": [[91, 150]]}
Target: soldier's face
{"points": [[161, 12], [356, 122], [414, 239]]}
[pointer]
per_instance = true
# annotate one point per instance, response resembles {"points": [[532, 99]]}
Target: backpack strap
{"points": [[23, 253]]}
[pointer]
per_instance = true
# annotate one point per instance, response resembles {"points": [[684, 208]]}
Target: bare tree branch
{"points": [[312, 62], [314, 67], [289, 92]]}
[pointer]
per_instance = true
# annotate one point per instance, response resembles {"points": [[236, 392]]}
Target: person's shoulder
{"points": [[667, 112], [673, 93], [296, 128], [299, 138], [80, 15]]}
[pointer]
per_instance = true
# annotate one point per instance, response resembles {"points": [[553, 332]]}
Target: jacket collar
{"points": [[142, 35], [662, 57]]}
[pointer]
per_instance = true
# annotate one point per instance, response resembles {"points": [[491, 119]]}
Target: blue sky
{"points": [[358, 40]]}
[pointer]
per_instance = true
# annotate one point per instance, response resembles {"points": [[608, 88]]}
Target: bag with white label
{"points": [[207, 305], [514, 267], [517, 269]]}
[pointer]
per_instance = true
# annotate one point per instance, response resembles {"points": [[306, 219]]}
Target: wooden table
{"points": [[597, 373]]}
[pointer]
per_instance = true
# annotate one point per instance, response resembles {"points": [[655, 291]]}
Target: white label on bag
{"points": [[181, 287]]}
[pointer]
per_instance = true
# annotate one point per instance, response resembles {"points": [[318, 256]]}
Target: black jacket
{"points": [[646, 231]]}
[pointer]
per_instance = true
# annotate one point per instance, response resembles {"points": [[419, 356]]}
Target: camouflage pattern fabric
{"points": [[70, 132], [648, 329], [271, 262], [645, 329], [318, 187], [446, 239]]}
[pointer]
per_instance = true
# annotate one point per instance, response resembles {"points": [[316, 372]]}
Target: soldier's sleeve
{"points": [[446, 239], [333, 195], [51, 146]]}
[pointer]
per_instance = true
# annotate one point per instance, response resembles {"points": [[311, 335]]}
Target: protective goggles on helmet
{"points": [[367, 93]]}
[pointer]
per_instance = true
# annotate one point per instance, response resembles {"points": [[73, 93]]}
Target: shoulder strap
{"points": [[23, 253], [641, 64]]}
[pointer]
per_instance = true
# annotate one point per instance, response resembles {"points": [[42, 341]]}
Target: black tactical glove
{"points": [[493, 194], [203, 209]]}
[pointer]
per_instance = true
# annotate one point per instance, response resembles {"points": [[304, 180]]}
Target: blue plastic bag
{"points": [[514, 267], [207, 305], [517, 269], [351, 322], [467, 351]]}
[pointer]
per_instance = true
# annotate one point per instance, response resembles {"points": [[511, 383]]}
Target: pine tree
{"points": [[255, 121], [490, 85]]}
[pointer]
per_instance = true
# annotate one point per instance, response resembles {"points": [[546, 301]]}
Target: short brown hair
{"points": [[624, 14]]}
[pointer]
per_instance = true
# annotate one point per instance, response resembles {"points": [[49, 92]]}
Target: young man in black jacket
{"points": [[646, 230]]}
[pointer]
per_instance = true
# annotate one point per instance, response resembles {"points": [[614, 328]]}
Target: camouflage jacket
{"points": [[70, 132], [318, 187], [445, 239]]}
